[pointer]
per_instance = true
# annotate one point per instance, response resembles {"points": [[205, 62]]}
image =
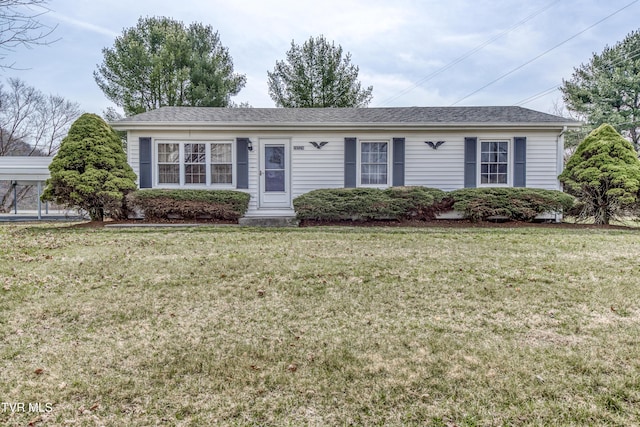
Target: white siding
{"points": [[253, 175], [133, 153], [542, 165], [313, 168], [442, 168]]}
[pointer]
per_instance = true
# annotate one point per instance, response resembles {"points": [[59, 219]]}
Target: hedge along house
{"points": [[276, 154]]}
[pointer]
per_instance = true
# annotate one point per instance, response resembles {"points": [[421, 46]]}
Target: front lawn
{"points": [[319, 326]]}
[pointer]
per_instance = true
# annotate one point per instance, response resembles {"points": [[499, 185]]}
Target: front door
{"points": [[275, 166]]}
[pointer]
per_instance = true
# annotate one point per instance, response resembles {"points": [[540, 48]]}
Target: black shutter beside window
{"points": [[242, 163], [520, 162], [398, 162], [350, 162], [470, 159], [145, 171]]}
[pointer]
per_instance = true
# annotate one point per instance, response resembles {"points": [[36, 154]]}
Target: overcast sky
{"points": [[413, 53]]}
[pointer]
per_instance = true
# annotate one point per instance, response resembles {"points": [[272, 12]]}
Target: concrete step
{"points": [[269, 221]]}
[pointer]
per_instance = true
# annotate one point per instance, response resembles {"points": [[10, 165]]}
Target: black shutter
{"points": [[520, 162], [470, 156], [242, 163], [350, 162], [145, 171], [398, 162]]}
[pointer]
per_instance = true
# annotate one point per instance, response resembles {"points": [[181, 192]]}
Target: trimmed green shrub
{"points": [[339, 204], [519, 204], [362, 204], [604, 173], [90, 171], [421, 203], [190, 204]]}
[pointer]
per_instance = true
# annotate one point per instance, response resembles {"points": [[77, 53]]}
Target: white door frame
{"points": [[271, 177]]}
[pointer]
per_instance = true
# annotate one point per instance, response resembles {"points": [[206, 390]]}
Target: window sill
{"points": [[494, 185], [195, 186], [379, 186]]}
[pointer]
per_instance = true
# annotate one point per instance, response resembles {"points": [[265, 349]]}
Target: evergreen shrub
{"points": [[189, 204], [516, 204], [364, 204]]}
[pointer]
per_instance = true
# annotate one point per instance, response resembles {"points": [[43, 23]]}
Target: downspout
{"points": [[39, 201], [560, 164], [15, 197]]}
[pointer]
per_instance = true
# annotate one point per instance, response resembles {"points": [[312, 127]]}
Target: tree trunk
{"points": [[96, 214], [602, 216], [602, 209]]}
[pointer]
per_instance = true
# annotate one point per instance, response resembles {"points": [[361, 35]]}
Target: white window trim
{"points": [[182, 184], [510, 160], [231, 184], [359, 163], [156, 166]]}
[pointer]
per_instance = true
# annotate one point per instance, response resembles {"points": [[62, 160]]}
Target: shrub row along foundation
{"points": [[420, 203], [358, 204]]}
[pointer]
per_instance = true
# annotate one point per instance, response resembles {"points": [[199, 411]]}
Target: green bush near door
{"points": [[364, 204], [227, 205]]}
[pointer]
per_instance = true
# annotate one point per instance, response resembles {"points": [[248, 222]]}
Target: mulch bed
{"points": [[98, 224], [440, 223], [461, 223]]}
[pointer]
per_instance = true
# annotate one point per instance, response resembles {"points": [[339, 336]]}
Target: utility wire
{"points": [[622, 58], [543, 53], [466, 55], [537, 95]]}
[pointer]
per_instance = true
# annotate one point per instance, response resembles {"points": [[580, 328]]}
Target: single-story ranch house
{"points": [[276, 154]]}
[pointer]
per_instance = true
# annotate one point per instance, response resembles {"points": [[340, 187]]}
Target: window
{"points": [[494, 162], [221, 163], [195, 163], [168, 164], [195, 171], [374, 163]]}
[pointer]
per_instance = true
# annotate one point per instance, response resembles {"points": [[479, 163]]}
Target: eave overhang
{"points": [[253, 126]]}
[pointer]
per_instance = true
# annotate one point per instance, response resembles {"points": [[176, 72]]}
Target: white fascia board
{"points": [[208, 126], [24, 177]]}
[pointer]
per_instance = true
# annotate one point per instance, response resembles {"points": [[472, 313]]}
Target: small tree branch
{"points": [[20, 26]]}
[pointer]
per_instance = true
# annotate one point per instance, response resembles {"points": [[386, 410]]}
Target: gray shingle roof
{"points": [[398, 115]]}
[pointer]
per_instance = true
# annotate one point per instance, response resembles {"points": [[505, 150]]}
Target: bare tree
{"points": [[20, 26], [29, 116], [31, 124]]}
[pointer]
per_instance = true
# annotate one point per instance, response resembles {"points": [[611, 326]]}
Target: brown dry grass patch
{"points": [[326, 326]]}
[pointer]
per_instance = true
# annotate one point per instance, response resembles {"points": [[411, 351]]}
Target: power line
{"points": [[622, 58], [466, 55], [543, 53], [537, 95]]}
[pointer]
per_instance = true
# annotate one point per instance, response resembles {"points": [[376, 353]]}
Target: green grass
{"points": [[320, 326]]}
